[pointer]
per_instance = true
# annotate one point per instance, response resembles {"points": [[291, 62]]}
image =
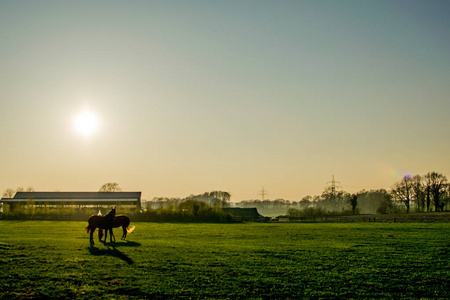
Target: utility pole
{"points": [[263, 193]]}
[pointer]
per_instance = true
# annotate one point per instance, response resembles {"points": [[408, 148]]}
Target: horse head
{"points": [[110, 216]]}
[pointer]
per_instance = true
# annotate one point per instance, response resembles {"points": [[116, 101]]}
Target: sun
{"points": [[86, 123]]}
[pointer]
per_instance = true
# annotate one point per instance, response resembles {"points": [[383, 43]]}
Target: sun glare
{"points": [[86, 123]]}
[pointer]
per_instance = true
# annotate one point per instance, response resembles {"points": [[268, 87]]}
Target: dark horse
{"points": [[119, 221], [101, 222]]}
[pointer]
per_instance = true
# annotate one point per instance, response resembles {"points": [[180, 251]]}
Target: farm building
{"points": [[246, 214], [75, 199]]}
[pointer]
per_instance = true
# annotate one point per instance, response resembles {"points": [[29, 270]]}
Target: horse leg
{"points": [[100, 234], [106, 234], [111, 236], [91, 237], [124, 235]]}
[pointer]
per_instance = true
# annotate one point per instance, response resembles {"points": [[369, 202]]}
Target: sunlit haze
{"points": [[186, 97]]}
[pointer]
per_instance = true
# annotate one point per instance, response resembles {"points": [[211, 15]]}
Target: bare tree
{"points": [[110, 187], [402, 191], [305, 202], [427, 191], [446, 199], [437, 184], [386, 205], [418, 192], [333, 199], [9, 193], [224, 197]]}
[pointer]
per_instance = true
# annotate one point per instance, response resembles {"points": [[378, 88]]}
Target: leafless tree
{"points": [[110, 187], [437, 186], [402, 191], [418, 192], [9, 193]]}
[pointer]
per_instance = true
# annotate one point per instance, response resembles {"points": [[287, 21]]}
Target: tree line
{"points": [[213, 199], [188, 210], [206, 207], [419, 193], [427, 192]]}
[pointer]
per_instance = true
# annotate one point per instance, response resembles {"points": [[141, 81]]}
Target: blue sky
{"points": [[223, 95]]}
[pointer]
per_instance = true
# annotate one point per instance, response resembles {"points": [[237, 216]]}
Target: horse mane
{"points": [[109, 218]]}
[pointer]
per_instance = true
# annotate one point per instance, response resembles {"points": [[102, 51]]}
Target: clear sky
{"points": [[195, 96]]}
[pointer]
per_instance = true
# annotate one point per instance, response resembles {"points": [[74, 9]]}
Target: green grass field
{"points": [[53, 259]]}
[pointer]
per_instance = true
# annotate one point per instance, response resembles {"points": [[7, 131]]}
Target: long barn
{"points": [[78, 199]]}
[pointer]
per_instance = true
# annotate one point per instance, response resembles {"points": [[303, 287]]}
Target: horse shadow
{"points": [[125, 244], [112, 251]]}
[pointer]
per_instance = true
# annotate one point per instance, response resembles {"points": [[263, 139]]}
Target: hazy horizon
{"points": [[182, 98]]}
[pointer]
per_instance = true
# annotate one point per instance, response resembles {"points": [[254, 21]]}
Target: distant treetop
{"points": [[110, 187]]}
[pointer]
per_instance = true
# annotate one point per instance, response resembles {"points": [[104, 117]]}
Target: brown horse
{"points": [[100, 222], [119, 221]]}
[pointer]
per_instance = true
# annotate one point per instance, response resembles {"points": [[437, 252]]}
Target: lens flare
{"points": [[395, 173]]}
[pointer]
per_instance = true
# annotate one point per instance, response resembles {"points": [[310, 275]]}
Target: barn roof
{"points": [[245, 213], [76, 195], [82, 198]]}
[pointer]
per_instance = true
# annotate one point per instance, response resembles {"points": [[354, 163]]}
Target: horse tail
{"points": [[90, 228], [130, 230]]}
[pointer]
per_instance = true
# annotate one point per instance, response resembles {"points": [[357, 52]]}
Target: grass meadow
{"points": [[53, 259]]}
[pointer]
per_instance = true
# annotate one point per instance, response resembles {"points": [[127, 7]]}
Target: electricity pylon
{"points": [[263, 193], [334, 187]]}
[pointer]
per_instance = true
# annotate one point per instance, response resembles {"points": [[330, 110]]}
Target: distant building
{"points": [[76, 199], [246, 214]]}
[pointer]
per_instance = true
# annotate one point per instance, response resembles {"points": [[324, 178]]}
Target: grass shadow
{"points": [[110, 251]]}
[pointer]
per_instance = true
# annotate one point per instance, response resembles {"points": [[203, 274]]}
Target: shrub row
{"points": [[188, 211]]}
